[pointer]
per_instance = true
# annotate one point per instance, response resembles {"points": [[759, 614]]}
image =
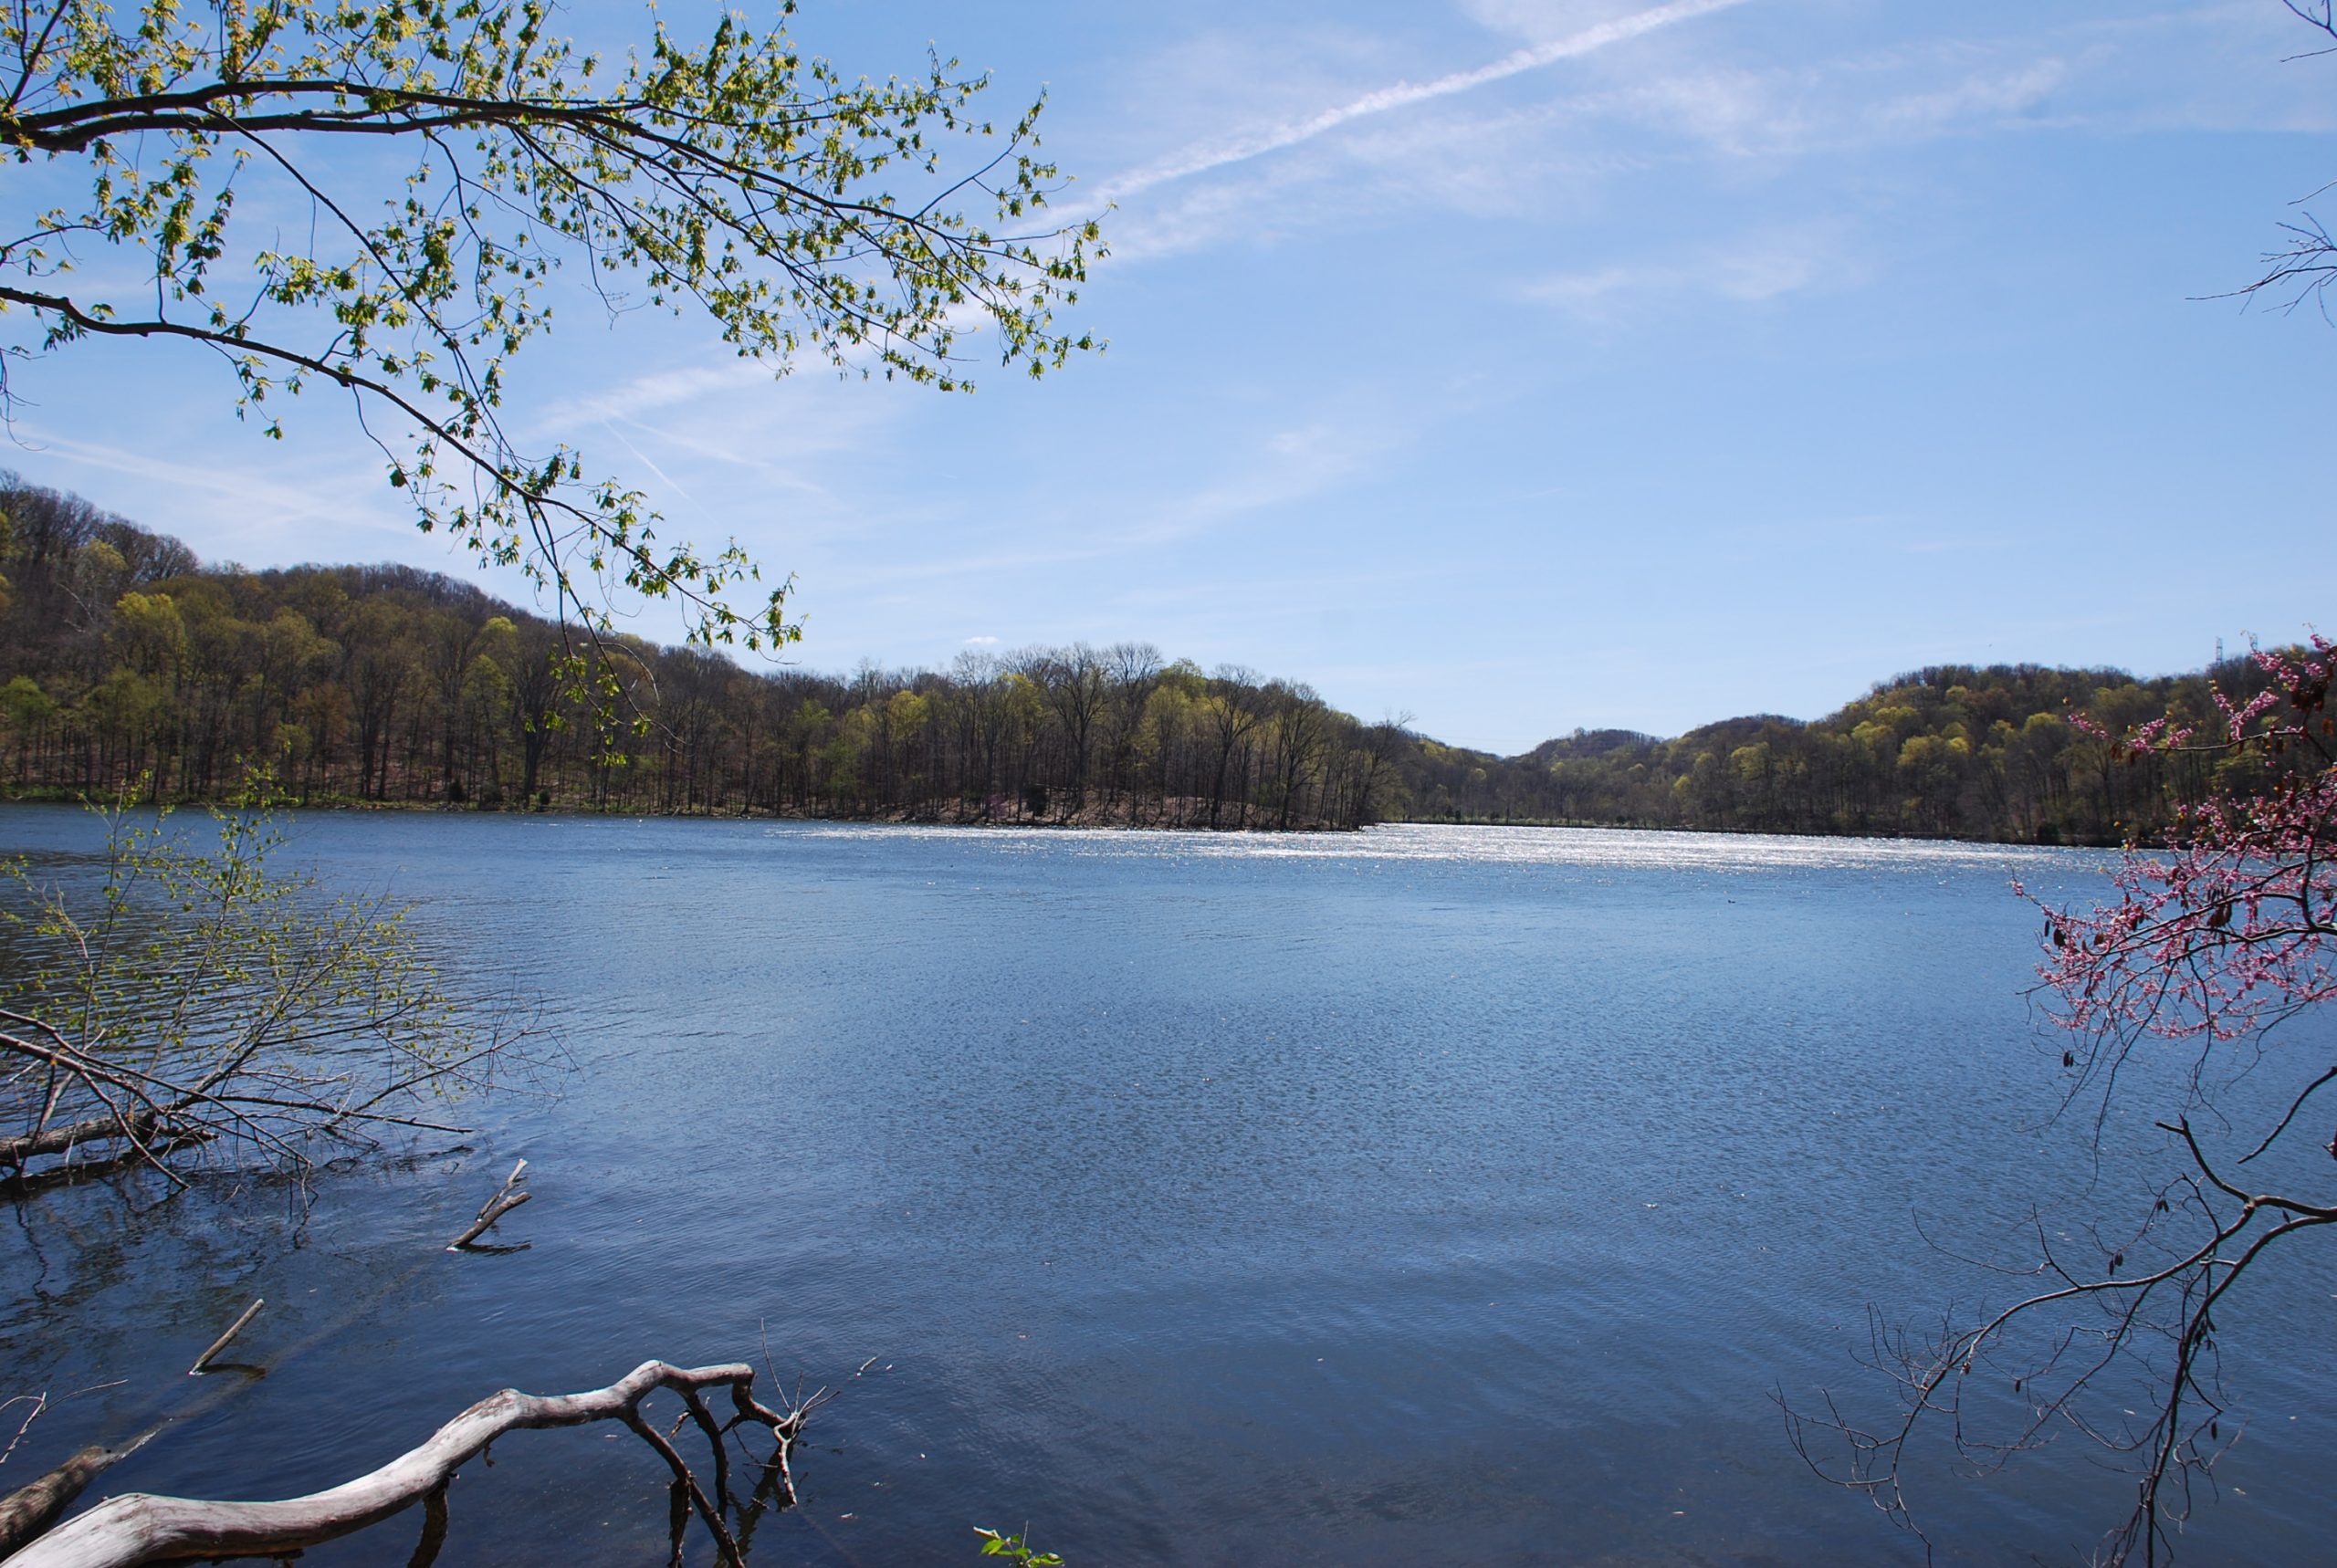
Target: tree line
{"points": [[2018, 753], [121, 658], [124, 659]]}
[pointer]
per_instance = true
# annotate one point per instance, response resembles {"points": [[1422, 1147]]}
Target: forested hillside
{"points": [[122, 658]]}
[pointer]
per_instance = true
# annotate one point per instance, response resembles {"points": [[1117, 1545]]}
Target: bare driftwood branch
{"points": [[63, 1138], [34, 1507], [507, 1196], [204, 1361], [142, 1528]]}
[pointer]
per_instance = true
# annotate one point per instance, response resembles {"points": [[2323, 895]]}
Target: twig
{"points": [[202, 1362], [39, 1402], [507, 1196]]}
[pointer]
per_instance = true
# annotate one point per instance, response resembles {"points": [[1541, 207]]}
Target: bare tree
{"points": [[1075, 682], [1301, 730], [1234, 708], [2216, 941], [1384, 745], [1133, 668], [194, 1005], [2301, 270]]}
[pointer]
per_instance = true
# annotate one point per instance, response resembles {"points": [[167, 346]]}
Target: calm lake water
{"points": [[1422, 1196]]}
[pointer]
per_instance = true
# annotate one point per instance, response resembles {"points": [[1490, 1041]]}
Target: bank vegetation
{"points": [[122, 657]]}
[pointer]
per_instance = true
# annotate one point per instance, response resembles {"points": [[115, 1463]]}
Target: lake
{"points": [[1429, 1194]]}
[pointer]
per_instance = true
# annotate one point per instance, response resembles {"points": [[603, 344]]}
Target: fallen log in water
{"points": [[34, 1507], [139, 1528]]}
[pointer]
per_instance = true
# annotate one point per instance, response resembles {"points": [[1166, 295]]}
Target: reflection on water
{"points": [[1445, 1195], [1495, 846]]}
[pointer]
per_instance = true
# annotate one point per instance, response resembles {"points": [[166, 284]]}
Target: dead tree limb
{"points": [[34, 1507], [64, 1139], [507, 1196], [140, 1528], [204, 1361]]}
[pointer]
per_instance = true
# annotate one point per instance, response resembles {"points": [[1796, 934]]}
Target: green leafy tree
{"points": [[738, 180], [28, 710]]}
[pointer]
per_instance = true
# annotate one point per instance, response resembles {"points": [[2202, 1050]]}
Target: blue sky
{"points": [[1518, 365]]}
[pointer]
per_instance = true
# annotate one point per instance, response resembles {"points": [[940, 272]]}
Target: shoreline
{"points": [[1089, 822]]}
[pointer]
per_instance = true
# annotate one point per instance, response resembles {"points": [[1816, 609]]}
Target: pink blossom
{"points": [[2229, 926]]}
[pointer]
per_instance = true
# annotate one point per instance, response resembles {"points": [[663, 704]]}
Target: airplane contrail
{"points": [[1199, 160]]}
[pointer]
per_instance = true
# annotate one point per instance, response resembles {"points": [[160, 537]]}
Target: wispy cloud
{"points": [[1753, 269], [1848, 106], [1203, 157], [647, 462], [250, 511], [277, 499], [680, 425], [642, 395], [1269, 485], [1651, 132], [1982, 97], [1648, 123]]}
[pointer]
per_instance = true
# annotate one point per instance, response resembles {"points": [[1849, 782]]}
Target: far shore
{"points": [[1091, 820]]}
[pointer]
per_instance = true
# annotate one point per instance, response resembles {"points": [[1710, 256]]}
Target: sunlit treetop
{"points": [[738, 178]]}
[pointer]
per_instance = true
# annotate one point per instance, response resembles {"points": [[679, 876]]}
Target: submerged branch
{"points": [[142, 1528]]}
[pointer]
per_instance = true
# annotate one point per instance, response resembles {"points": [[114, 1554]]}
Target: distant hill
{"points": [[122, 658]]}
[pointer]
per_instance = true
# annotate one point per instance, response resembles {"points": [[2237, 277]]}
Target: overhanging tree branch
{"points": [[737, 178], [2214, 940]]}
